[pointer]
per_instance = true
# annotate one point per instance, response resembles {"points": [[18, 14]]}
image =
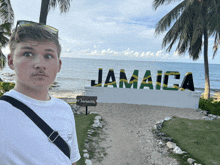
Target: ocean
{"points": [[76, 73]]}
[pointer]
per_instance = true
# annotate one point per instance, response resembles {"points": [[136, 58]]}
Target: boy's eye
{"points": [[28, 54], [48, 56]]}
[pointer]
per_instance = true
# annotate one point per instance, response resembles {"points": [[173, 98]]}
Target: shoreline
{"points": [[64, 94]]}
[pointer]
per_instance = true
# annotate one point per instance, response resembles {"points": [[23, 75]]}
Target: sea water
{"points": [[76, 73]]}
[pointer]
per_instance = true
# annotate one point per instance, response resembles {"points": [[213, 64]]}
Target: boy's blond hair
{"points": [[33, 32]]}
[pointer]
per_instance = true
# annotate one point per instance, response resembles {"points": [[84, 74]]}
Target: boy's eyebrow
{"points": [[27, 47], [49, 50]]}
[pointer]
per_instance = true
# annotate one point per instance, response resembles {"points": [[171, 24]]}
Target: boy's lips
{"points": [[40, 74]]}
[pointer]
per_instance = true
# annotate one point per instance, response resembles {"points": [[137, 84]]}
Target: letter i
{"points": [[158, 82]]}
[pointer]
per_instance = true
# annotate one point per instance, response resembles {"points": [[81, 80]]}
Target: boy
{"points": [[35, 58]]}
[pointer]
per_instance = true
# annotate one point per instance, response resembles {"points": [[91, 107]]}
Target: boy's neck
{"points": [[34, 93]]}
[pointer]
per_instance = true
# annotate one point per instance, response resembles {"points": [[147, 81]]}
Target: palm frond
{"points": [[6, 11], [196, 48], [177, 30], [214, 24], [158, 3], [6, 27], [198, 28], [64, 5], [166, 21], [3, 40], [216, 44], [185, 38]]}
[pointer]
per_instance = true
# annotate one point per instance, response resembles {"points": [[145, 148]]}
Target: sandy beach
{"points": [[128, 136], [63, 94], [216, 96]]}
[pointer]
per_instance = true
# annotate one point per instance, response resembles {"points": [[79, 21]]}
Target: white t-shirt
{"points": [[24, 143]]}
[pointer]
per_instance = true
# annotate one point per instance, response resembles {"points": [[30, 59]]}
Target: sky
{"points": [[116, 29]]}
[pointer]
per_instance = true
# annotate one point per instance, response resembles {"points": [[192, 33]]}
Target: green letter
{"points": [[147, 76], [133, 80]]}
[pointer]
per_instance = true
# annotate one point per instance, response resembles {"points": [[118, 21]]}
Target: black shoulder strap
{"points": [[52, 135]]}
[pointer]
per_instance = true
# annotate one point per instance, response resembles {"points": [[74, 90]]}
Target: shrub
{"points": [[5, 86], [210, 105]]}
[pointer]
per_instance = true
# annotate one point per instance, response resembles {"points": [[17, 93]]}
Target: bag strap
{"points": [[52, 135]]}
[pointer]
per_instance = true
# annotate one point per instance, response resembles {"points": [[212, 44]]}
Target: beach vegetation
{"points": [[64, 6], [7, 19], [199, 138], [5, 87], [193, 22], [210, 105], [83, 126]]}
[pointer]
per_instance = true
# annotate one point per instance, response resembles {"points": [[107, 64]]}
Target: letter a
{"points": [[110, 75]]}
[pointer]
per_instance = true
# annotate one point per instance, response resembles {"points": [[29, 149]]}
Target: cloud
{"points": [[159, 55]]}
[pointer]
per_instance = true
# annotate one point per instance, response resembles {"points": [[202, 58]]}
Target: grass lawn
{"points": [[83, 124], [199, 138]]}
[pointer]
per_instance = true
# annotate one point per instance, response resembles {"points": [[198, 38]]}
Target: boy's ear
{"points": [[60, 64], [10, 61]]}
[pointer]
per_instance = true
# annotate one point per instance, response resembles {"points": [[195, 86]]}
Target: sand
{"points": [[63, 94], [216, 96]]}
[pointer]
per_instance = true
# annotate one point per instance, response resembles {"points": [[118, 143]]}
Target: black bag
{"points": [[52, 135]]}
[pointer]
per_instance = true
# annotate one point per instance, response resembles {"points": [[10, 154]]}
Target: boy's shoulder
{"points": [[60, 101]]}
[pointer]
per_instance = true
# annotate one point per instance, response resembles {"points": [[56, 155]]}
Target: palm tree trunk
{"points": [[44, 11], [2, 60], [206, 63], [206, 66]]}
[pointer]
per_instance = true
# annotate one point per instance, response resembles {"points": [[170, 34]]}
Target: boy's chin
{"points": [[33, 85], [40, 86]]}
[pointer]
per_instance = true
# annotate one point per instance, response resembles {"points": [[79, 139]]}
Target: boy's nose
{"points": [[40, 63]]}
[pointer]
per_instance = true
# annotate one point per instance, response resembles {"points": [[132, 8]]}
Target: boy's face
{"points": [[36, 64]]}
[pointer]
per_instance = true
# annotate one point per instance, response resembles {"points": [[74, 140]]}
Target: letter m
{"points": [[133, 80]]}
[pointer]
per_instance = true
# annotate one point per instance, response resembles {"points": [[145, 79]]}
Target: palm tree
{"points": [[7, 19], [47, 4], [195, 22], [2, 60], [4, 32]]}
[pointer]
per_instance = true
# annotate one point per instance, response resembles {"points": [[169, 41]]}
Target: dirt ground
{"points": [[128, 136]]}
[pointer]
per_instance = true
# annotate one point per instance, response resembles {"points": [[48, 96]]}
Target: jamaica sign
{"points": [[187, 82]]}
